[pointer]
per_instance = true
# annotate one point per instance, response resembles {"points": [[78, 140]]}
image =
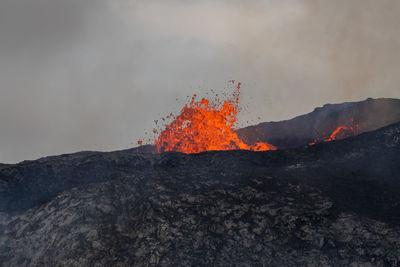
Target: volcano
{"points": [[328, 204], [327, 123], [348, 119]]}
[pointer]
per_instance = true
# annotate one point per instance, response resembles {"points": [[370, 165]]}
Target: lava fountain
{"points": [[204, 125]]}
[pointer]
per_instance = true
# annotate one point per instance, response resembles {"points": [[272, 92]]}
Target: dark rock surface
{"points": [[332, 204], [370, 114]]}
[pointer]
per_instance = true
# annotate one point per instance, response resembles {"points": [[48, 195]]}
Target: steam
{"points": [[94, 75]]}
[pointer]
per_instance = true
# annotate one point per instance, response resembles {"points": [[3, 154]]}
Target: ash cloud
{"points": [[94, 75]]}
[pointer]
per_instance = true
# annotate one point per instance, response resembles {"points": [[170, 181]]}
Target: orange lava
{"points": [[340, 132], [204, 125]]}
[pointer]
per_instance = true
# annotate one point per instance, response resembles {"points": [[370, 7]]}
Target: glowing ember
{"points": [[204, 126], [340, 132]]}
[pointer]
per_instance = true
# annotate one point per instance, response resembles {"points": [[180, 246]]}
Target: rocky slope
{"points": [[332, 204], [370, 114]]}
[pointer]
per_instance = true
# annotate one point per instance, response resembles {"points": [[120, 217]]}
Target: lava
{"points": [[205, 125], [340, 132]]}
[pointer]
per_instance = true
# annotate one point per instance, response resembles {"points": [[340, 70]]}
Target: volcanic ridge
{"points": [[313, 202]]}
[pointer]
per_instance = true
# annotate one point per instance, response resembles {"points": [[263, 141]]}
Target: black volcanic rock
{"points": [[332, 204], [371, 114]]}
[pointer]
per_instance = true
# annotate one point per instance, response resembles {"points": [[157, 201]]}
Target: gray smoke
{"points": [[95, 74]]}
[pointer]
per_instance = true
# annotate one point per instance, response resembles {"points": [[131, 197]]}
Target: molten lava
{"points": [[341, 132], [204, 125]]}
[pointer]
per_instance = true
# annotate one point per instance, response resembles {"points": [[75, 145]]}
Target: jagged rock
{"points": [[337, 207]]}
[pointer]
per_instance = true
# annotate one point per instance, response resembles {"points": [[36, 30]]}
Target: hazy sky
{"points": [[95, 74]]}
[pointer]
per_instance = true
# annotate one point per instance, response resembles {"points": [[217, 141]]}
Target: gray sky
{"points": [[95, 74]]}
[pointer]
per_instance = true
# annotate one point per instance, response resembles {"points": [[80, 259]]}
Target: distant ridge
{"points": [[301, 130]]}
